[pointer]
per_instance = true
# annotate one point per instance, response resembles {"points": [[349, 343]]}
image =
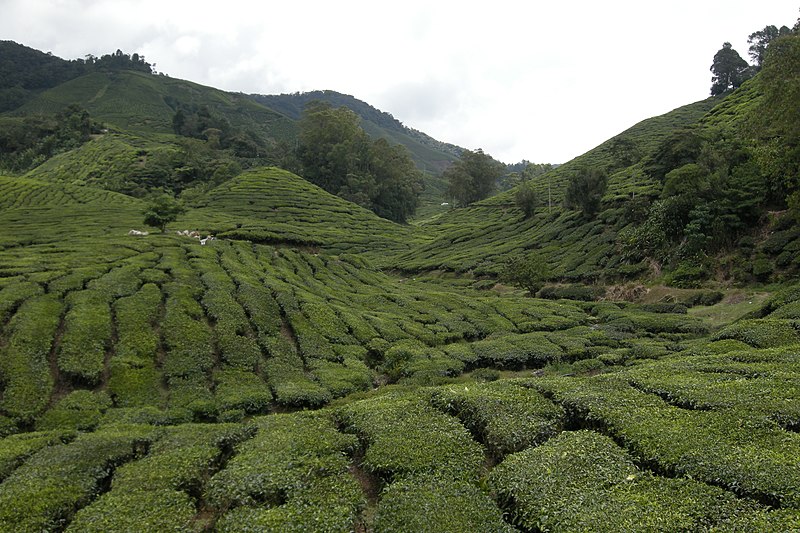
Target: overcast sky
{"points": [[543, 81]]}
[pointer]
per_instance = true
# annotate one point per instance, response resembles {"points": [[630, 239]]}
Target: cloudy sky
{"points": [[543, 81]]}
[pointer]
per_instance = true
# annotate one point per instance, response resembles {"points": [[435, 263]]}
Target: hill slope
{"points": [[480, 237], [273, 206], [146, 104]]}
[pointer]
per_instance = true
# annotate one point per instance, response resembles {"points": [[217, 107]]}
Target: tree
{"points": [[335, 153], [776, 118], [585, 191], [162, 210], [527, 271], [526, 199], [472, 177], [332, 146], [728, 70], [759, 41], [398, 181]]}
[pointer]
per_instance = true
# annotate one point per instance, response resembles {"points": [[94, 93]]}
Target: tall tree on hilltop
{"points": [[728, 69], [472, 177], [759, 41]]}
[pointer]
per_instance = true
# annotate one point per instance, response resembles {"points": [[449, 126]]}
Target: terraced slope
{"points": [[112, 161], [34, 212], [273, 206], [144, 103], [158, 382], [478, 238]]}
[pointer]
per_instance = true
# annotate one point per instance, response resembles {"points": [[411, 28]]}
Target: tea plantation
{"points": [[283, 378]]}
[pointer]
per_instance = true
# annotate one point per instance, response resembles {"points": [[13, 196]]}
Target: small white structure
{"points": [[137, 232]]}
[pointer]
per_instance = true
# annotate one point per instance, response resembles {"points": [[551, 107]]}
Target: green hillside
{"points": [[145, 104], [156, 381], [430, 155], [479, 237], [317, 368], [273, 206]]}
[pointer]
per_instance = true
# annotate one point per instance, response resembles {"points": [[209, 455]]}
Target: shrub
{"points": [[296, 464], [80, 410], [572, 292], [24, 364], [237, 389], [405, 437], [431, 503], [582, 480], [665, 307], [506, 417], [46, 490], [87, 335], [763, 333], [153, 492]]}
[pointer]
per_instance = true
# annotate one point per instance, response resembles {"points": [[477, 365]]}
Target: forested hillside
{"points": [[195, 337]]}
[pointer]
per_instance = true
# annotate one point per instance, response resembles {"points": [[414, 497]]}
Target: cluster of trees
{"points": [[335, 153], [528, 271], [473, 177], [29, 141], [201, 122], [729, 70]]}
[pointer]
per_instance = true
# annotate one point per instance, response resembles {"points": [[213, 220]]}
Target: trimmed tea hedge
{"points": [[296, 468], [506, 417], [404, 437], [582, 481], [42, 494], [431, 503]]}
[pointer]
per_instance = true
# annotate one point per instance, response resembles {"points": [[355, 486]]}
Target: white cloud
{"points": [[519, 79]]}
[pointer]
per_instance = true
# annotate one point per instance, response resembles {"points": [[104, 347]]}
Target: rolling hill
{"points": [[318, 368]]}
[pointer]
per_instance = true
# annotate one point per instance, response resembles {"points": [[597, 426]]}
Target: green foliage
{"points": [[582, 480], [572, 292], [765, 333], [527, 271], [80, 410], [759, 40], [15, 449], [721, 450], [295, 462], [405, 438], [27, 142], [526, 199], [25, 362], [162, 210], [56, 480], [585, 191], [430, 503], [472, 177], [506, 418], [153, 492], [729, 70], [87, 334], [336, 154]]}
